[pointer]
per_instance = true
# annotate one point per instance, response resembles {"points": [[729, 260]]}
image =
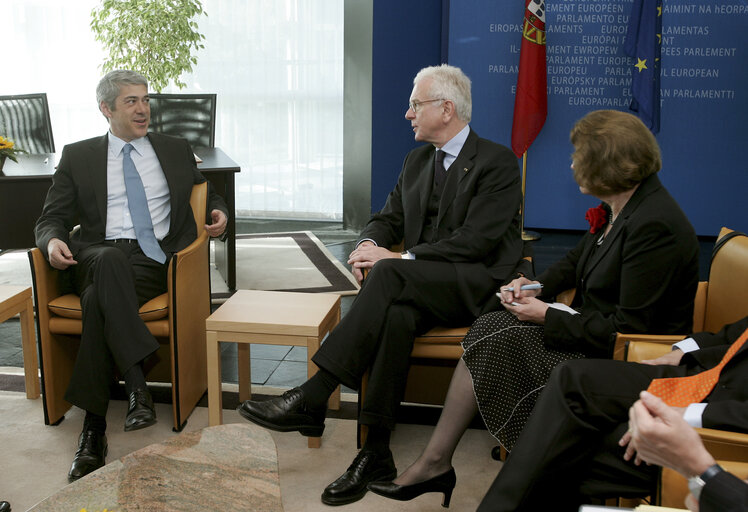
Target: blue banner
{"points": [[704, 97]]}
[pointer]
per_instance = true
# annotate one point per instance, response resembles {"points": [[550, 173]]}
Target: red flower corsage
{"points": [[597, 217]]}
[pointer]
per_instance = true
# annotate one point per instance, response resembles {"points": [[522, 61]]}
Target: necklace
{"points": [[611, 220]]}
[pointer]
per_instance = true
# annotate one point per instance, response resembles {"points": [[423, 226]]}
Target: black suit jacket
{"points": [[642, 279], [78, 194], [478, 225], [727, 407], [724, 493]]}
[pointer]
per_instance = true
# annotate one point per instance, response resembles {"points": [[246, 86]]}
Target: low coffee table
{"points": [[15, 300], [273, 318]]}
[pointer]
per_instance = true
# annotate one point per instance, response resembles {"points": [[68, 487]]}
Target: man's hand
{"points": [[658, 434], [367, 254], [59, 254], [672, 358], [218, 223], [528, 309]]}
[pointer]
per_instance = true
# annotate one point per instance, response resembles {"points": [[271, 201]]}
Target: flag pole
{"points": [[526, 235]]}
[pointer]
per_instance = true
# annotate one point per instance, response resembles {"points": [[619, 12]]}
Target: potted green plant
{"points": [[154, 37]]}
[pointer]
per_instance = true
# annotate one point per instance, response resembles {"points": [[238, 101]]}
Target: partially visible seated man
{"points": [[659, 435], [130, 192], [574, 444]]}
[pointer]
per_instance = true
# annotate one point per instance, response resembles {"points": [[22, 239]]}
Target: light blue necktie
{"points": [[141, 216]]}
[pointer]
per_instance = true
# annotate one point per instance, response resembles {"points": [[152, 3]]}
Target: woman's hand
{"points": [[528, 309], [517, 292]]}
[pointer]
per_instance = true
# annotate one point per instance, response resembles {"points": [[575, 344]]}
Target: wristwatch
{"points": [[697, 483], [406, 255]]}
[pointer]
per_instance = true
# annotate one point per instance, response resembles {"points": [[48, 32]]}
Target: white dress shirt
{"points": [[118, 220], [693, 412]]}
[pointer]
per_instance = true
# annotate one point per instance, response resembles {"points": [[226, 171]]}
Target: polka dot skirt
{"points": [[509, 365]]}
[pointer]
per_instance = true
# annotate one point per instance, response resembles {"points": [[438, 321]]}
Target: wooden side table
{"points": [[15, 300], [273, 318]]}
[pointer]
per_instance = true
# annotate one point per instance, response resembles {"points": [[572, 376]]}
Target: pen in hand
{"points": [[533, 286]]}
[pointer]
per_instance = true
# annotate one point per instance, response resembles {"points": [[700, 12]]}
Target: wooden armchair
{"points": [[176, 319], [719, 301]]}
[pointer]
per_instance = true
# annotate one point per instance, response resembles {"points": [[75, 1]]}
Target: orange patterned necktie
{"points": [[682, 391]]}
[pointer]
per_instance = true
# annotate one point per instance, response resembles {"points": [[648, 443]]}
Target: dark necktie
{"points": [[681, 391], [139, 213], [439, 171]]}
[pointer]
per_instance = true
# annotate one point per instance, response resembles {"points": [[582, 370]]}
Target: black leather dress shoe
{"points": [[285, 413], [140, 413], [4, 506], [444, 483], [90, 455], [368, 466]]}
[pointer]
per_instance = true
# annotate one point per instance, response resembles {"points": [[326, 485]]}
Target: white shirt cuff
{"points": [[693, 414], [366, 240], [687, 345]]}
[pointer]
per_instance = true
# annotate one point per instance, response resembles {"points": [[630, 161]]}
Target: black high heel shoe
{"points": [[444, 483]]}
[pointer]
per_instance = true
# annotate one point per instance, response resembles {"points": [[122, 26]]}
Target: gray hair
{"points": [[109, 86], [449, 83]]}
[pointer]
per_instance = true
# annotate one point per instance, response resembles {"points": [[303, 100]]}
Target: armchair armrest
{"points": [[45, 277], [725, 445], [188, 275], [188, 286], [624, 341]]}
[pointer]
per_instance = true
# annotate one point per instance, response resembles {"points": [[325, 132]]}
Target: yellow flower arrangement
{"points": [[8, 149]]}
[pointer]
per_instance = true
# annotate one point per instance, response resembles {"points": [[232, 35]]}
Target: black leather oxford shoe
{"points": [[140, 413], [92, 448], [4, 506], [368, 466], [285, 413]]}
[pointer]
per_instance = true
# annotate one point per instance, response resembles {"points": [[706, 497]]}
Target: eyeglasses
{"points": [[415, 105]]}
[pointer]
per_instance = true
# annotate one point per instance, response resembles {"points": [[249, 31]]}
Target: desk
{"points": [[24, 185], [23, 189]]}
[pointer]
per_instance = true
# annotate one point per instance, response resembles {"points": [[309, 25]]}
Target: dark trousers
{"points": [[569, 448], [399, 300], [113, 281]]}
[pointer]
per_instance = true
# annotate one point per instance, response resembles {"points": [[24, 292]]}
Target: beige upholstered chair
{"points": [[176, 319]]}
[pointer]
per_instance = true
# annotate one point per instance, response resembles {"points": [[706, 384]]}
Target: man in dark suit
{"points": [[129, 191], [576, 444], [456, 209]]}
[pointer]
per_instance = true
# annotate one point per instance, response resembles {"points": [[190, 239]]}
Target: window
{"points": [[277, 67]]}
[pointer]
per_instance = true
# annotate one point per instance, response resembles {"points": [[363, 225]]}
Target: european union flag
{"points": [[643, 43]]}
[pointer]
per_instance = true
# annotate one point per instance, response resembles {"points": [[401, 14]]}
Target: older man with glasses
{"points": [[456, 209]]}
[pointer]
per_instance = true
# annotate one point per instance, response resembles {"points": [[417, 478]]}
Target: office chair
{"points": [[24, 119], [191, 116]]}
